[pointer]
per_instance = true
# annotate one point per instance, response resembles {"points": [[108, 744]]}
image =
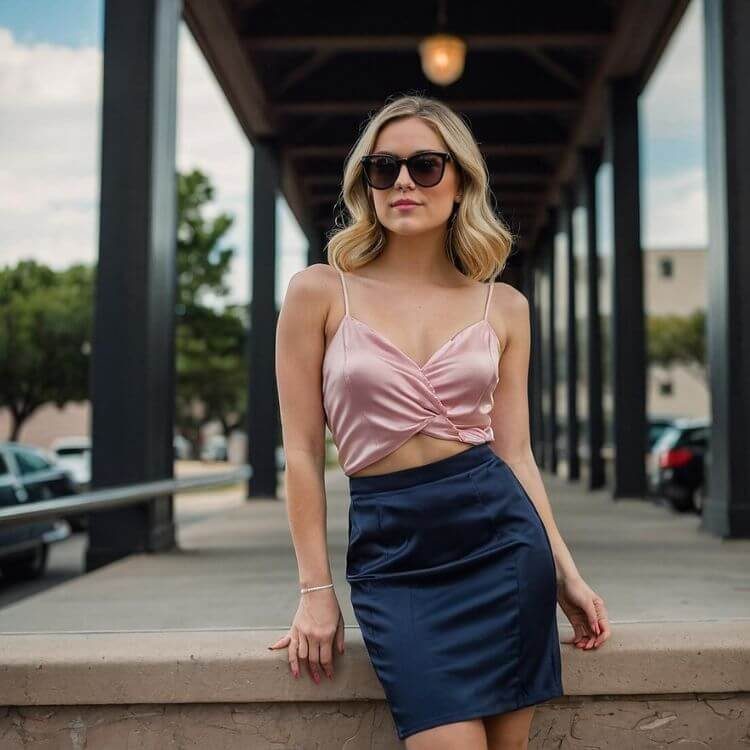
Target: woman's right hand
{"points": [[317, 625]]}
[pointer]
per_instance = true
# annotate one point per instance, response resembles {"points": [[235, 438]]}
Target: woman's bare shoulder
{"points": [[508, 298], [312, 287], [508, 311]]}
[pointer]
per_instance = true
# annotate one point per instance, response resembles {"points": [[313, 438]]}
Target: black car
{"points": [[677, 469], [28, 475]]}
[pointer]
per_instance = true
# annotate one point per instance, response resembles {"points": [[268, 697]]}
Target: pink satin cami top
{"points": [[376, 397]]}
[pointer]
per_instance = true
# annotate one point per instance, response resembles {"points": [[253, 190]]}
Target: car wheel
{"points": [[682, 502], [28, 568], [78, 523]]}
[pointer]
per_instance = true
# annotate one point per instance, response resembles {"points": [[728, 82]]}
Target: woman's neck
{"points": [[420, 255]]}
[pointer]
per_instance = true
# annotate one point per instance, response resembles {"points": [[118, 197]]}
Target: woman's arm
{"points": [[510, 417], [300, 343], [512, 442]]}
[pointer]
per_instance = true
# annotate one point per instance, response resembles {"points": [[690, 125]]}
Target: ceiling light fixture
{"points": [[442, 54]]}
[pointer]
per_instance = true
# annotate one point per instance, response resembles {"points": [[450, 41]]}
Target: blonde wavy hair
{"points": [[477, 241]]}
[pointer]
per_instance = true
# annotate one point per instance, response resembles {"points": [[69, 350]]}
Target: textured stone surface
{"points": [[718, 722], [223, 666]]}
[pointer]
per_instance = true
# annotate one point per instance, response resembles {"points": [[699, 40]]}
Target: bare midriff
{"points": [[419, 449]]}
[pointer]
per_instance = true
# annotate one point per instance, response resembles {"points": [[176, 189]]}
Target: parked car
{"points": [[27, 475], [678, 468], [656, 426], [215, 449], [182, 447], [74, 454]]}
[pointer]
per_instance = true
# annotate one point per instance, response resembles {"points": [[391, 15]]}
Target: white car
{"points": [[74, 454], [214, 449]]}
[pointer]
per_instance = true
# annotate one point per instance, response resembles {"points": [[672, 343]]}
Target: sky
{"points": [[50, 86]]}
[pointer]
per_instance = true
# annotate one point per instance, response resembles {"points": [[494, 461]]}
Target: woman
{"points": [[420, 371]]}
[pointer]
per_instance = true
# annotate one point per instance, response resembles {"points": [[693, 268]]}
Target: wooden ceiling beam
{"points": [[364, 42], [361, 106], [313, 63], [560, 72]]}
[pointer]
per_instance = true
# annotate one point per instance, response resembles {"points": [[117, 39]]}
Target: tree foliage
{"points": [[679, 340], [46, 320], [211, 371], [45, 337]]}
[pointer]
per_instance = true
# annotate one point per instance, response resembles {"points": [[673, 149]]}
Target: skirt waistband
{"points": [[444, 467]]}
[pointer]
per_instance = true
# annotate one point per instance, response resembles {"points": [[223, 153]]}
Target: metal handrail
{"points": [[115, 497]]}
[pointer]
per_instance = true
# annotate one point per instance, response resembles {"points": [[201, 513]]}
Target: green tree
{"points": [[679, 340], [211, 371], [45, 335], [46, 320], [202, 265]]}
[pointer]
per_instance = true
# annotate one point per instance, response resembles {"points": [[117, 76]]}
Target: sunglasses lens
{"points": [[381, 171], [426, 169]]}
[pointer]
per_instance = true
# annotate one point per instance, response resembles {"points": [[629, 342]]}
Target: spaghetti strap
{"points": [[491, 285], [346, 296]]}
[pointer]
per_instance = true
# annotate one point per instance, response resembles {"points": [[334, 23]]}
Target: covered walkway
{"points": [[235, 568], [551, 91]]}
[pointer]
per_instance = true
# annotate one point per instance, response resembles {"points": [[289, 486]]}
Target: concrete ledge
{"points": [[221, 666]]}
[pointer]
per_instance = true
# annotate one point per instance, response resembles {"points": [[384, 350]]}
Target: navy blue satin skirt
{"points": [[453, 586]]}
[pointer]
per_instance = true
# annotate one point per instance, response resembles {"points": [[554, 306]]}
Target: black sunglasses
{"points": [[426, 168]]}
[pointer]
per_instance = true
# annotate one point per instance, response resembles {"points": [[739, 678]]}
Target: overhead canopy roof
{"points": [[307, 74]]}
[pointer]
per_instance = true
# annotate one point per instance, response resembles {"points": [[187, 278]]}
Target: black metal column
{"points": [[727, 102], [628, 324], [262, 397], [589, 160], [132, 365], [550, 431], [315, 248], [571, 344], [536, 423], [512, 273]]}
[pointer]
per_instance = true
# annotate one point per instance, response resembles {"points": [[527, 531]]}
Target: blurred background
{"points": [[166, 166]]}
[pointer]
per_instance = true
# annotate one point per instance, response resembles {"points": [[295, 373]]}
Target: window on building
{"points": [[666, 268], [665, 388]]}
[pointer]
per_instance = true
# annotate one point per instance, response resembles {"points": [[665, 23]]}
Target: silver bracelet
{"points": [[315, 588]]}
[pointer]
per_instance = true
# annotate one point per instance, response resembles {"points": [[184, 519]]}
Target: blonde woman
{"points": [[419, 368]]}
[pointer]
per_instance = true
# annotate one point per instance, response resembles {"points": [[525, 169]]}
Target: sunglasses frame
{"points": [[444, 155]]}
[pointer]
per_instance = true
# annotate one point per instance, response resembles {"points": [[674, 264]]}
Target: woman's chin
{"points": [[407, 225]]}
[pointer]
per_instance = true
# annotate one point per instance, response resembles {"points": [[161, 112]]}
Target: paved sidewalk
{"points": [[236, 567]]}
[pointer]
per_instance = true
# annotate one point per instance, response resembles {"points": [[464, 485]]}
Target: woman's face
{"points": [[434, 204]]}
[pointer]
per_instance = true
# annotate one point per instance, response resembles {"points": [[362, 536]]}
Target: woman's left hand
{"points": [[586, 611]]}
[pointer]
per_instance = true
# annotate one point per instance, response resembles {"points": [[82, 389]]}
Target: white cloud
{"points": [[49, 130], [210, 139], [673, 99], [674, 202], [49, 154], [675, 210]]}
